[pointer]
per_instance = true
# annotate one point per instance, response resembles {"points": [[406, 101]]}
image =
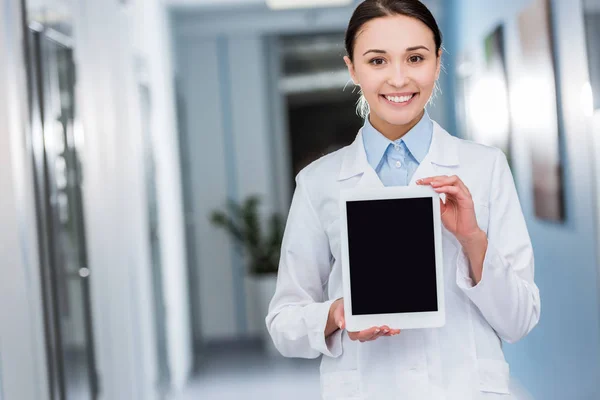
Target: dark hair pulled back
{"points": [[371, 9]]}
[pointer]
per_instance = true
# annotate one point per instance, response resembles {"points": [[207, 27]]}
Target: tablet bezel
{"points": [[417, 320]]}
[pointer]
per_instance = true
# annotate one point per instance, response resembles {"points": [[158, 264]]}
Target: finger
{"points": [[443, 207], [375, 335], [380, 334], [385, 330], [455, 191], [446, 181], [362, 335], [450, 181], [427, 181], [463, 186], [338, 315], [367, 334], [340, 321], [458, 182]]}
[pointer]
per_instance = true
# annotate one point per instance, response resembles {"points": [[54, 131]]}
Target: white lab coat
{"points": [[461, 361]]}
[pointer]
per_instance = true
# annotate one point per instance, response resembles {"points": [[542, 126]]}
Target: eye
{"points": [[377, 61], [415, 59]]}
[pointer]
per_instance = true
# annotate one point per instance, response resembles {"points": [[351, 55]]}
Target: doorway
{"points": [[61, 229]]}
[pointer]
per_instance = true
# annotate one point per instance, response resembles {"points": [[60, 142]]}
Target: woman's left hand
{"points": [[458, 213]]}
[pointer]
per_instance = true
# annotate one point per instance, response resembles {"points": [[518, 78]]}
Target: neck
{"points": [[394, 132]]}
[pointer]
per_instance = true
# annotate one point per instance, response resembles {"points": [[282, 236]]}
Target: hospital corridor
{"points": [[173, 219]]}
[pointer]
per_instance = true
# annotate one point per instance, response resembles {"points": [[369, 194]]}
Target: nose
{"points": [[398, 75]]}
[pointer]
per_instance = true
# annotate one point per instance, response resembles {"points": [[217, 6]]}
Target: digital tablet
{"points": [[392, 265]]}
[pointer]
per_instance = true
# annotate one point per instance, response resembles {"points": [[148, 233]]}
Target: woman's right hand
{"points": [[365, 335]]}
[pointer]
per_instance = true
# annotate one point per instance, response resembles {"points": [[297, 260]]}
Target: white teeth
{"points": [[399, 99]]}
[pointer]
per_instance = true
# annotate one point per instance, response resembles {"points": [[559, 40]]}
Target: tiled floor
{"points": [[229, 372], [246, 372]]}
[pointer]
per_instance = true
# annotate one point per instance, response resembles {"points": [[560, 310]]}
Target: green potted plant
{"points": [[260, 244], [242, 222]]}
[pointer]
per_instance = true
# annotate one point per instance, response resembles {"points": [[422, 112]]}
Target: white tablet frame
{"points": [[430, 319]]}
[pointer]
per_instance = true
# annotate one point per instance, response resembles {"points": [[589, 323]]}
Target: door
{"points": [[58, 179]]}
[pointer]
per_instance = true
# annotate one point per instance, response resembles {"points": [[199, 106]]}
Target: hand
{"points": [[365, 335], [458, 213]]}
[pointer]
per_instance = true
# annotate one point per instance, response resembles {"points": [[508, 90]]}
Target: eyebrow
{"points": [[420, 47]]}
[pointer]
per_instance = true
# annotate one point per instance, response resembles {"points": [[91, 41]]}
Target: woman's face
{"points": [[396, 66]]}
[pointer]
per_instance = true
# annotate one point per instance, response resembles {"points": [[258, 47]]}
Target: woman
{"points": [[394, 50]]}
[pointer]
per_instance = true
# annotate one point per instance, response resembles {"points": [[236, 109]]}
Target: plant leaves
{"points": [[262, 251]]}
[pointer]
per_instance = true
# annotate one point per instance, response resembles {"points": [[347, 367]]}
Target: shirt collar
{"points": [[417, 140]]}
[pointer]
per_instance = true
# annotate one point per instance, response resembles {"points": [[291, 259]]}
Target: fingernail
{"points": [[339, 324], [385, 331], [377, 331]]}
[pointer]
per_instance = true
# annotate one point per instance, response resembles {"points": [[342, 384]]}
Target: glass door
{"points": [[58, 179]]}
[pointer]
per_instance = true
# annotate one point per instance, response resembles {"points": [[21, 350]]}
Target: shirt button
{"points": [[398, 164], [396, 147]]}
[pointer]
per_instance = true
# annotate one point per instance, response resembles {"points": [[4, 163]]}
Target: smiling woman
{"points": [[408, 56], [394, 55]]}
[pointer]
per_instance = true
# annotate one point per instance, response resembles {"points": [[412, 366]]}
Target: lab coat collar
{"points": [[443, 152]]}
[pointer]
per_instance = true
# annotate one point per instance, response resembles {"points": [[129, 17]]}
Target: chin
{"points": [[398, 118]]}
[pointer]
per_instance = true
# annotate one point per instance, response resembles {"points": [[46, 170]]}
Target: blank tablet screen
{"points": [[391, 256]]}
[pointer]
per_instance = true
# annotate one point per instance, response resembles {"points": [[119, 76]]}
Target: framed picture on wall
{"points": [[483, 106], [536, 107], [498, 133], [464, 83], [591, 16]]}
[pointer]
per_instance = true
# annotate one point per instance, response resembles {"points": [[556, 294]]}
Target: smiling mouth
{"points": [[399, 99]]}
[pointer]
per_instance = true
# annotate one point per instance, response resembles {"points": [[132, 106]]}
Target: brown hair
{"points": [[371, 9]]}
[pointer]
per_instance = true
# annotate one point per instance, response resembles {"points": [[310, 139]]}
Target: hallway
{"points": [[244, 371]]}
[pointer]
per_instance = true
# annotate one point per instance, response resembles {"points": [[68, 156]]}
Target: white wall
{"points": [[560, 359], [114, 201], [153, 45], [22, 347], [236, 137], [112, 63], [228, 142], [115, 205]]}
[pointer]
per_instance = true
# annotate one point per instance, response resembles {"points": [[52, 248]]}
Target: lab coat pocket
{"points": [[341, 385], [482, 213], [494, 376]]}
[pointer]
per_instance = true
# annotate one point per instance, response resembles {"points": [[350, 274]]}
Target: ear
{"points": [[351, 70], [439, 65]]}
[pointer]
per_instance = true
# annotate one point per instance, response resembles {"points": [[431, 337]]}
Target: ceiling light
{"points": [[284, 4]]}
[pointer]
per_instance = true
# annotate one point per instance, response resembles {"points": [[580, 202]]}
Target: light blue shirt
{"points": [[395, 162]]}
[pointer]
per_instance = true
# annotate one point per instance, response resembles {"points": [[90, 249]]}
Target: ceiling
{"points": [[213, 3], [230, 5]]}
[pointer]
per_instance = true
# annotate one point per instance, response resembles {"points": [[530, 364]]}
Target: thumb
{"points": [[338, 315]]}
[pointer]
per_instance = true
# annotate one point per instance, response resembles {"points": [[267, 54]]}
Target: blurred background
{"points": [[133, 131]]}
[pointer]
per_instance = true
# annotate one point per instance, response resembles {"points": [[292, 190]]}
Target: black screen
{"points": [[392, 256]]}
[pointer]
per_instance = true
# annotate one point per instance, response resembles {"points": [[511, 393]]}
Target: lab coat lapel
{"points": [[355, 164], [442, 157]]}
